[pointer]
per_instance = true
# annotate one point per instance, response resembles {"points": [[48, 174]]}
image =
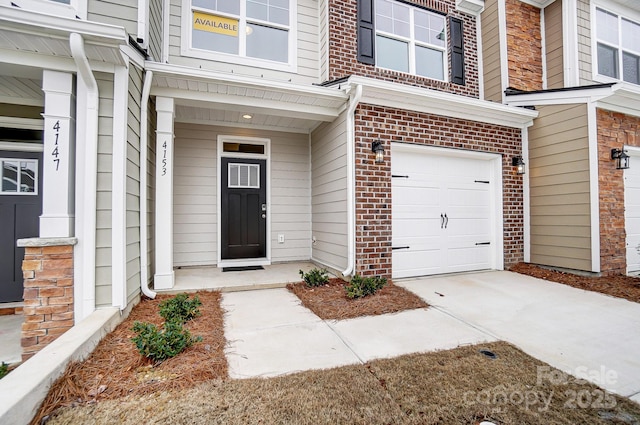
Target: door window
{"points": [[19, 176], [244, 176]]}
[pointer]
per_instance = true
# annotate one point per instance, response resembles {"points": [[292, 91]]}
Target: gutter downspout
{"points": [[144, 237], [87, 199], [351, 181]]}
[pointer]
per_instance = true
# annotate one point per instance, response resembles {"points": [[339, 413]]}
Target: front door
{"points": [[243, 208], [20, 209]]}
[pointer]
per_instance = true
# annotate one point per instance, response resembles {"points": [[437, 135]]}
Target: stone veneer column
{"points": [[48, 291]]}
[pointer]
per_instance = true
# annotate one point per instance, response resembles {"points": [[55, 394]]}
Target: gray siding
{"points": [[329, 193], [491, 52], [195, 194], [104, 186], [307, 47], [133, 184], [122, 13], [155, 29], [584, 42], [559, 187], [553, 45]]}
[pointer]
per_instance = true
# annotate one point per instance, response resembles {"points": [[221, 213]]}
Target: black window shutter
{"points": [[457, 51], [366, 32]]}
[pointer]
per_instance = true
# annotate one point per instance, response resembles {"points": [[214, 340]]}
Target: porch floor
{"points": [[189, 279]]}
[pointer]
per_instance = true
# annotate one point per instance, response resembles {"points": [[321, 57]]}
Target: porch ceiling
{"points": [[216, 98], [28, 32], [21, 91]]}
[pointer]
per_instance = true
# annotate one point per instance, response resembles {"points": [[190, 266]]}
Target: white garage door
{"points": [[632, 212], [442, 213]]}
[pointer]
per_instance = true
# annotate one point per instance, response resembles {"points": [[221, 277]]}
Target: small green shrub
{"points": [[180, 308], [315, 277], [4, 369], [362, 286], [159, 345]]}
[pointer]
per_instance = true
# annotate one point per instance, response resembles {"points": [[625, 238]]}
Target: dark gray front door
{"points": [[20, 209], [243, 208]]}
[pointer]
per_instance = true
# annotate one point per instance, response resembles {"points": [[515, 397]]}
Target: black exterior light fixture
{"points": [[378, 149], [518, 162], [621, 157]]}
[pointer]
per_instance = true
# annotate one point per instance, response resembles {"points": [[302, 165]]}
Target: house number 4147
{"points": [[56, 150]]}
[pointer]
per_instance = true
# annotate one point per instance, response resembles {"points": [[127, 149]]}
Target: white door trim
{"points": [[267, 157], [496, 194]]}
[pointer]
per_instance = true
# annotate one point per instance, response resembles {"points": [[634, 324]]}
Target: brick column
{"points": [[48, 291]]}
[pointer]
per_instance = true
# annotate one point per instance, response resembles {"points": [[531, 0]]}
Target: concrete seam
{"points": [[471, 325], [347, 344]]}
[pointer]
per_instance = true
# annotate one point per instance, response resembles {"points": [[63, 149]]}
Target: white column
{"points": [[57, 219], [164, 277]]}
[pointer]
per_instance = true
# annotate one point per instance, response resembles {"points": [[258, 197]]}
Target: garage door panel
{"points": [[632, 214], [436, 185]]}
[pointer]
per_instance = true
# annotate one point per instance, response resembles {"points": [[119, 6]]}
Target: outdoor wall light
{"points": [[621, 157], [378, 149], [518, 162]]}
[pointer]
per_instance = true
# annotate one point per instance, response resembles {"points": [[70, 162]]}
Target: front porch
{"points": [[190, 279]]}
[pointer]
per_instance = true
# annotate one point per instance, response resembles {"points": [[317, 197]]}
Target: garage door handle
{"points": [[446, 220], [393, 248], [483, 243], [441, 221]]}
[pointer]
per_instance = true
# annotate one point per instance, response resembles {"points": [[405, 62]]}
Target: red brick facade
{"points": [[48, 296], [343, 60], [373, 181], [614, 131], [524, 44]]}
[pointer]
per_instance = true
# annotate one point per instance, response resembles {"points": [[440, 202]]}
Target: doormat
{"points": [[241, 269]]}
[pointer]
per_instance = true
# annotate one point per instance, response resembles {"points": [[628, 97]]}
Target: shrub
{"points": [[315, 277], [180, 308], [362, 286], [4, 369], [159, 345]]}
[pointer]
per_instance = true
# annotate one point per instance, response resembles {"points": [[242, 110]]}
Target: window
{"points": [[19, 176], [258, 29], [409, 39], [244, 176], [618, 47]]}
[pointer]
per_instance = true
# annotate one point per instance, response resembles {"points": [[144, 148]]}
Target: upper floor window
{"points": [[253, 29], [410, 39], [618, 47]]}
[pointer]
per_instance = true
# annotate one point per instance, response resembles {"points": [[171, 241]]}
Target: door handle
{"points": [[441, 221], [446, 220]]}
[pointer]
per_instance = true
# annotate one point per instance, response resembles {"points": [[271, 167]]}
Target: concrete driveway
{"points": [[584, 333]]}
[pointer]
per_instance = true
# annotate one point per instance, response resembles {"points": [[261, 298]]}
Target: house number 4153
{"points": [[56, 150], [164, 158]]}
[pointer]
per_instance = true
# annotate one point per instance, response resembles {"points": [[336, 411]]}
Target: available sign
{"points": [[217, 24]]}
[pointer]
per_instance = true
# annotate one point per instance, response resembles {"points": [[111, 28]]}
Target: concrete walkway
{"points": [[584, 333]]}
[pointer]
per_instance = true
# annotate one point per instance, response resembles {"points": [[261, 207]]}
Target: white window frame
{"points": [[412, 43], [36, 177], [622, 13], [186, 48], [50, 7], [239, 185]]}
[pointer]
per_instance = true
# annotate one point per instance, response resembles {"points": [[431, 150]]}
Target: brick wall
{"points": [[373, 181], [524, 44], [48, 296], [614, 131], [343, 48]]}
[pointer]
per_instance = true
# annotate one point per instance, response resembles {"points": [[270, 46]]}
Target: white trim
{"points": [[143, 23], [570, 43], [267, 158], [166, 16], [401, 96], [186, 48], [132, 55], [543, 46], [119, 189], [21, 146], [504, 54], [480, 57], [296, 130], [54, 63], [84, 262], [563, 96], [526, 201], [22, 123], [538, 3], [634, 152], [471, 7], [594, 187], [49, 7], [496, 195]]}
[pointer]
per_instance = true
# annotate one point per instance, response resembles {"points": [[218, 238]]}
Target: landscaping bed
{"points": [[620, 286], [329, 301]]}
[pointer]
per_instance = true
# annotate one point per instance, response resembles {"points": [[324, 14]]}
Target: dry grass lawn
{"points": [[458, 386]]}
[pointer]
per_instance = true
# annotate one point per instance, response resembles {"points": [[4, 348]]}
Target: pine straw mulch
{"points": [[620, 286], [329, 302], [115, 368]]}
